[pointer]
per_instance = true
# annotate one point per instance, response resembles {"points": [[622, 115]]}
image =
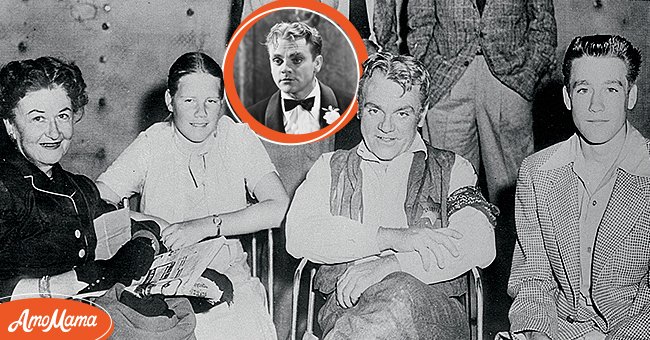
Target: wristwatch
{"points": [[216, 220]]}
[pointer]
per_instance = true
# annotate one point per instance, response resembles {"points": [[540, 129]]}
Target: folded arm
{"points": [[476, 248], [472, 218], [267, 213]]}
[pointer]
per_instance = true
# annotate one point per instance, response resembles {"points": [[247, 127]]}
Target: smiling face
{"points": [[43, 126], [598, 97], [389, 117], [293, 67], [196, 106]]}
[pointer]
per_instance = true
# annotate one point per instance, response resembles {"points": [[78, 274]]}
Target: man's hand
{"points": [[358, 277], [428, 242], [595, 335], [183, 234], [534, 335]]}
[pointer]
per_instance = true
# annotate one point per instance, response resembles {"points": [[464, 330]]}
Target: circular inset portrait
{"points": [[294, 73]]}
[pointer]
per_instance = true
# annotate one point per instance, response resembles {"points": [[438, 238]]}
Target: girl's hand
{"points": [[183, 234]]}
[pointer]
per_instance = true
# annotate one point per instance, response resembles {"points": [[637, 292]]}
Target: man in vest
{"points": [[395, 222]]}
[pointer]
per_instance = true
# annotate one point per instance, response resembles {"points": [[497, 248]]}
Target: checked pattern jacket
{"points": [[545, 278]]}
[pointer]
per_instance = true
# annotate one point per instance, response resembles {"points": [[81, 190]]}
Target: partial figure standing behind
{"points": [[194, 172], [395, 222], [580, 267], [485, 58], [367, 16]]}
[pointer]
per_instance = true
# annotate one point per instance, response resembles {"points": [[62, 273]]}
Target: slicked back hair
{"points": [[193, 62], [612, 46]]}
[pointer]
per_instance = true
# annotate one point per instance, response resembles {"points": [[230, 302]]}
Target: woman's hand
{"points": [[183, 234], [130, 263]]}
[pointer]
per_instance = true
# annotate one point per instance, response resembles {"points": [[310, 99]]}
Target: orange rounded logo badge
{"points": [[41, 318]]}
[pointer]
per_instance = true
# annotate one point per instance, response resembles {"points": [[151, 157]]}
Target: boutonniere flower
{"points": [[331, 114]]}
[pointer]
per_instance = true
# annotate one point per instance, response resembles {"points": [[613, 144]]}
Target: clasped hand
{"points": [[360, 276], [437, 245]]}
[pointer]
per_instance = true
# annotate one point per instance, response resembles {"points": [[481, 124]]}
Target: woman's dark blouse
{"points": [[46, 225]]}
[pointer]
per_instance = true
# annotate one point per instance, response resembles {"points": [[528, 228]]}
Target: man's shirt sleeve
{"points": [[476, 247], [314, 233]]}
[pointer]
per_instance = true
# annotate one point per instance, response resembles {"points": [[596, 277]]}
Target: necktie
{"points": [[307, 104]]}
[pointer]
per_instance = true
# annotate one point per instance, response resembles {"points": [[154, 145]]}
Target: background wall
{"points": [[124, 49]]}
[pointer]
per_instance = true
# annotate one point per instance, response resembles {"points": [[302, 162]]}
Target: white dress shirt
{"points": [[299, 120]]}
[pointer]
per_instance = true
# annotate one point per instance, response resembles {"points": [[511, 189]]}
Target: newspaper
{"points": [[113, 229], [177, 272]]}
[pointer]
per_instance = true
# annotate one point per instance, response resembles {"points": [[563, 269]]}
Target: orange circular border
{"points": [[235, 102]]}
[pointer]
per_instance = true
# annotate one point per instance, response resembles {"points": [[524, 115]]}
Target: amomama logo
{"points": [[40, 318]]}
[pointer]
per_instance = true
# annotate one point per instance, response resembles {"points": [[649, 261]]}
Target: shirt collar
{"points": [[190, 148], [634, 156], [315, 92], [416, 145]]}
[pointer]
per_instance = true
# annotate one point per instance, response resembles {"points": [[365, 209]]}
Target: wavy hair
{"points": [[18, 78], [404, 70]]}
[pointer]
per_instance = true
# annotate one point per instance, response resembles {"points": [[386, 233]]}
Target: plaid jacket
{"points": [[545, 277], [517, 37]]}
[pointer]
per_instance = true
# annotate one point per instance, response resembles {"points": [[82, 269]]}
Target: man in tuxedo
{"points": [[302, 101]]}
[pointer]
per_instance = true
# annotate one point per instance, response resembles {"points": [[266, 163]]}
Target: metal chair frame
{"points": [[473, 303], [254, 267]]}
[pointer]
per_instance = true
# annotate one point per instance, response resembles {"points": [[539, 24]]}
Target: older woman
{"points": [[47, 239], [194, 172]]}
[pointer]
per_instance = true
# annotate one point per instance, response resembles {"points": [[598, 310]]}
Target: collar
{"points": [[315, 92], [190, 148], [27, 169], [634, 157], [416, 146]]}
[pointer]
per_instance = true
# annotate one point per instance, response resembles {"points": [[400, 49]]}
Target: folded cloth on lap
{"points": [[132, 325]]}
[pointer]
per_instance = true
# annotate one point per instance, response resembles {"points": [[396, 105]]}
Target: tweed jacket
{"points": [[517, 38], [545, 277]]}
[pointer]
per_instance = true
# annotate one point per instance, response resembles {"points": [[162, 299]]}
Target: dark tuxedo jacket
{"points": [[269, 111]]}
